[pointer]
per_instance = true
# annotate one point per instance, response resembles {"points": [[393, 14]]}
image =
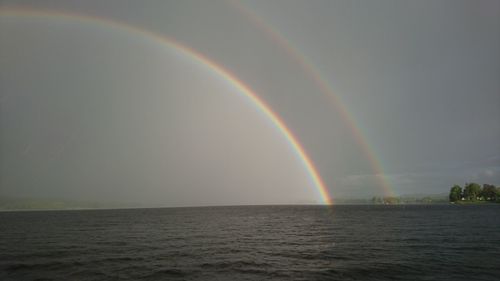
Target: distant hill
{"points": [[423, 195], [412, 199], [16, 203]]}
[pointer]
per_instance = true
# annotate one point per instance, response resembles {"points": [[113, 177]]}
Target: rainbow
{"points": [[226, 75], [322, 83]]}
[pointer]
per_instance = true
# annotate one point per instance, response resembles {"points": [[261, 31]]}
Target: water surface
{"points": [[357, 242]]}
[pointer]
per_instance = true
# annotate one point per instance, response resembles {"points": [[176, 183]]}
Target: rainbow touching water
{"points": [[227, 76], [323, 85]]}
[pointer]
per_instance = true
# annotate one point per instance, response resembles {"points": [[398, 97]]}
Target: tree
{"points": [[377, 200], [472, 191], [391, 200], [455, 193], [489, 192]]}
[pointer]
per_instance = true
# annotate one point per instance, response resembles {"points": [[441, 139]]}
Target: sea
{"points": [[340, 242]]}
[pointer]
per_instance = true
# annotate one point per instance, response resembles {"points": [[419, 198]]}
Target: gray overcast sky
{"points": [[94, 113]]}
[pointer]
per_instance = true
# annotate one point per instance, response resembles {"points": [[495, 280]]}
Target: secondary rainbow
{"points": [[323, 85], [227, 76]]}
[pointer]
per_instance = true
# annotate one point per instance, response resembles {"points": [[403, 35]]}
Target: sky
{"points": [[385, 98]]}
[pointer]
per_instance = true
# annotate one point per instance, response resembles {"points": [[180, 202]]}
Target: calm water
{"points": [[433, 242]]}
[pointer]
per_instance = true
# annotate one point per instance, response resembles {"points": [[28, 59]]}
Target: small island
{"points": [[473, 193]]}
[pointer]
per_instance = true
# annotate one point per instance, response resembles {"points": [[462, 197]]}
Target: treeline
{"points": [[409, 200], [472, 192]]}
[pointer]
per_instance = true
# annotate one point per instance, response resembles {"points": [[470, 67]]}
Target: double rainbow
{"points": [[323, 85], [226, 75]]}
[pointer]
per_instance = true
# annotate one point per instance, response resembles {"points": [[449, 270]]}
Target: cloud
{"points": [[490, 174]]}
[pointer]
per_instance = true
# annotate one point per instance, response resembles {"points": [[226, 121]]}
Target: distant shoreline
{"points": [[236, 206], [21, 204], [473, 203]]}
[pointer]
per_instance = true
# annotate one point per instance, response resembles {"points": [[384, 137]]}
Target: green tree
{"points": [[489, 192], [472, 191], [455, 193]]}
